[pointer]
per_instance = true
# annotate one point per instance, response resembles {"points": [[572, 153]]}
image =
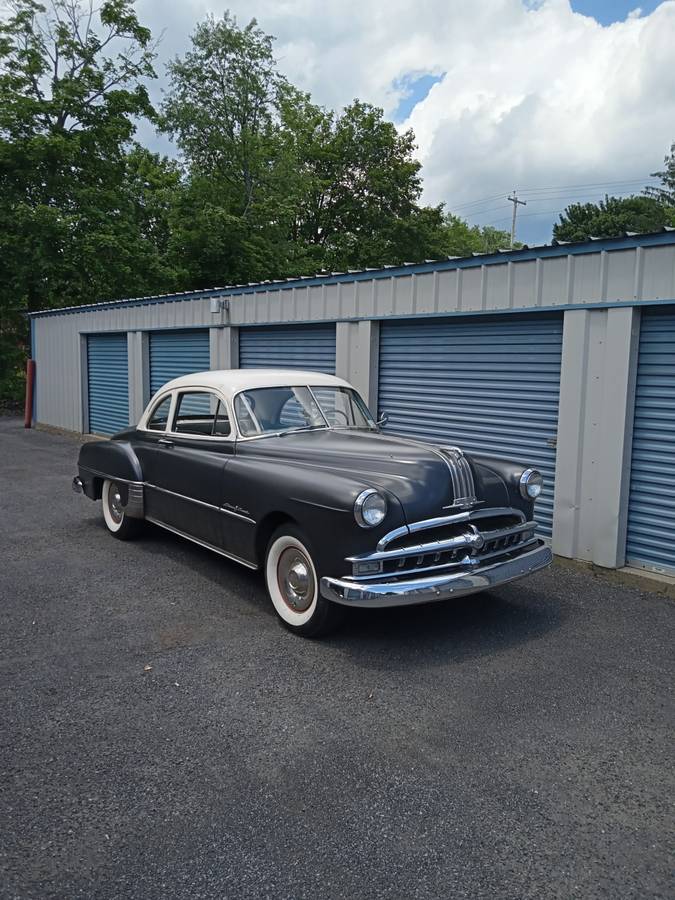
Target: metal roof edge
{"points": [[665, 236]]}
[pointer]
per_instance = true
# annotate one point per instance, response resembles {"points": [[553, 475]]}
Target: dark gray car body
{"points": [[232, 495]]}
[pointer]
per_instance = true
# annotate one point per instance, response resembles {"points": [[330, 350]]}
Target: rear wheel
{"points": [[116, 520], [293, 585]]}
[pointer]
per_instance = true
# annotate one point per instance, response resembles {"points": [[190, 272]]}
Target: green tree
{"points": [[70, 89], [611, 217], [665, 193], [276, 185]]}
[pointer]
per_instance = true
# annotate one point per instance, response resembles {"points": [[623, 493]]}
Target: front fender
{"points": [[499, 480], [321, 501]]}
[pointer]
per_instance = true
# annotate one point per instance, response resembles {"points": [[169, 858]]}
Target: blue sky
{"points": [[608, 11], [561, 100]]}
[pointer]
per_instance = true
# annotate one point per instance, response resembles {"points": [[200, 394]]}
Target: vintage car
{"points": [[288, 472]]}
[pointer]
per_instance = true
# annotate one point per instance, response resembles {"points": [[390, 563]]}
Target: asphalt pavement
{"points": [[161, 736]]}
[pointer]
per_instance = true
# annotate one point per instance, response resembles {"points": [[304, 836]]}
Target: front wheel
{"points": [[293, 586], [116, 520]]}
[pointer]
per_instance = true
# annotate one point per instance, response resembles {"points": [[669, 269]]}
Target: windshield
{"points": [[275, 410]]}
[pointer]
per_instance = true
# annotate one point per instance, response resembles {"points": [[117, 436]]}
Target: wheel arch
{"points": [[266, 528]]}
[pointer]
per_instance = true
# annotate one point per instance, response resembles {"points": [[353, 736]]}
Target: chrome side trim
{"points": [[108, 476], [205, 544], [437, 587], [135, 492], [213, 506], [135, 500], [467, 516]]}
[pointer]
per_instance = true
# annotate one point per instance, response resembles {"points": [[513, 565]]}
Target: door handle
{"points": [[165, 442]]}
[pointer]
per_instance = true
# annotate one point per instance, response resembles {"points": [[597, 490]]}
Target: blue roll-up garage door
{"points": [[488, 384], [108, 383], [651, 506], [176, 353], [310, 347]]}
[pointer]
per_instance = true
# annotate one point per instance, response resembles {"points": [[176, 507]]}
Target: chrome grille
{"points": [[466, 539], [463, 487]]}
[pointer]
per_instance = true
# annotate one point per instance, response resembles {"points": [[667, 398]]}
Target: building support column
{"points": [[224, 344], [595, 426], [357, 357], [139, 373]]}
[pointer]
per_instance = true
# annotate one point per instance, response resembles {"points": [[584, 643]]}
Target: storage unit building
{"points": [[558, 356]]}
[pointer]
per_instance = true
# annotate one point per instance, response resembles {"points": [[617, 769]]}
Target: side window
{"points": [[200, 413], [160, 415]]}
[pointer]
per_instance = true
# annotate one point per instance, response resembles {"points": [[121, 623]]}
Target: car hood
{"points": [[414, 471]]}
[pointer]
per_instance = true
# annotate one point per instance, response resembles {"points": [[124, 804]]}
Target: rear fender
{"points": [[115, 460]]}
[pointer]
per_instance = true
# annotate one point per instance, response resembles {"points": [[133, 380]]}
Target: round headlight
{"points": [[370, 508], [531, 483]]}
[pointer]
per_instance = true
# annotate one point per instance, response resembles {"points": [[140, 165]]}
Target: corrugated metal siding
{"points": [[490, 386], [288, 348], [108, 383], [650, 539], [175, 353]]}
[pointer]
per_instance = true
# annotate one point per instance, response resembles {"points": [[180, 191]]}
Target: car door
{"points": [[184, 464]]}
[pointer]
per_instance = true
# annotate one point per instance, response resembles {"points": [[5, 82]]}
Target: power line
{"points": [[591, 184], [559, 187]]}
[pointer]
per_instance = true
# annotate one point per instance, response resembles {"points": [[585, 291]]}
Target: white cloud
{"points": [[533, 94]]}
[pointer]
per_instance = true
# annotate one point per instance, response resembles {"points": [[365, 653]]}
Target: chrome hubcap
{"points": [[296, 581], [115, 504]]}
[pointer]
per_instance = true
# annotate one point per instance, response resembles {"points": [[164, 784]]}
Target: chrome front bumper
{"points": [[438, 587]]}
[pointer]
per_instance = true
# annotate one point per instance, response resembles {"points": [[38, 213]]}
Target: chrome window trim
{"points": [[197, 388], [327, 426], [149, 410], [181, 435]]}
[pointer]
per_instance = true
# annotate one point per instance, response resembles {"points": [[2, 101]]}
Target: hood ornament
{"points": [[463, 486]]}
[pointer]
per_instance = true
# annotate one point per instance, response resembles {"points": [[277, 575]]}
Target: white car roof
{"points": [[231, 381]]}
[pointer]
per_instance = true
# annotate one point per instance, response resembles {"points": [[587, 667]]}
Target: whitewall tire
{"points": [[116, 520], [293, 585]]}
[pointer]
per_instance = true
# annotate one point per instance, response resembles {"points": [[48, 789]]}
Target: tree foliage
{"points": [[267, 183], [665, 193], [612, 217]]}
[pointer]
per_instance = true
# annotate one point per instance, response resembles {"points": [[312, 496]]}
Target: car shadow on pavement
{"points": [[452, 630], [427, 635]]}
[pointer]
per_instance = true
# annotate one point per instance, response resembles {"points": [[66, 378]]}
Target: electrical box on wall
{"points": [[217, 305]]}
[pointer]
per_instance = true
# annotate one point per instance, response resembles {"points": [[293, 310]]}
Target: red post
{"points": [[30, 387]]}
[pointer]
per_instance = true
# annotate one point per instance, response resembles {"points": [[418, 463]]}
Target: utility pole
{"points": [[516, 202]]}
